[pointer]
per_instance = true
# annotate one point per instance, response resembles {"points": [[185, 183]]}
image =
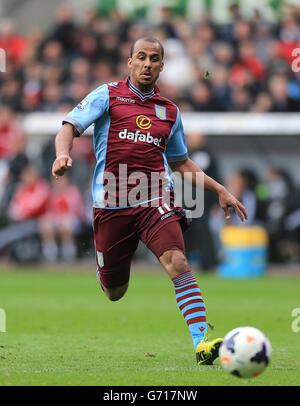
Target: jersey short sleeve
{"points": [[176, 149], [89, 109]]}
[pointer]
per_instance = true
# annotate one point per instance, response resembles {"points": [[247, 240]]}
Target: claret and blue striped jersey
{"points": [[142, 132]]}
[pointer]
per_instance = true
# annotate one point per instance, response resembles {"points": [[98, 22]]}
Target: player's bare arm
{"points": [[226, 199], [63, 146]]}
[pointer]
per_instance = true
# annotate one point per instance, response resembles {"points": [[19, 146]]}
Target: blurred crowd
{"points": [[249, 61], [272, 200]]}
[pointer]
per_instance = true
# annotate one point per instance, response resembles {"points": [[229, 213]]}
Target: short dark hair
{"points": [[148, 39]]}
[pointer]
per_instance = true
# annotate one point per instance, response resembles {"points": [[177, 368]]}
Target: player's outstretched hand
{"points": [[60, 165], [227, 201]]}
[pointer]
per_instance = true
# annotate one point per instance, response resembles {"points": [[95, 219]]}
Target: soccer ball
{"points": [[245, 352]]}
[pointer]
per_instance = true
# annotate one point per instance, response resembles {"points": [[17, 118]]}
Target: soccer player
{"points": [[137, 127]]}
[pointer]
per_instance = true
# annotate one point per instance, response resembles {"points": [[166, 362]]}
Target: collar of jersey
{"points": [[141, 95]]}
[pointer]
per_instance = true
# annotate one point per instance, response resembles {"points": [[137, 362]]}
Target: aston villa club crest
{"points": [[100, 259], [160, 112]]}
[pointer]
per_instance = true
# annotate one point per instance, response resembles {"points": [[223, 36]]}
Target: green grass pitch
{"points": [[61, 330]]}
